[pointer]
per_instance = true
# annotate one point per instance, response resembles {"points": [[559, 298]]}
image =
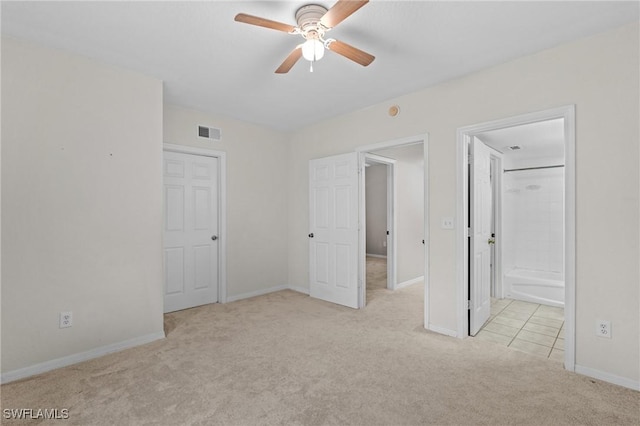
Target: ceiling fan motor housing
{"points": [[308, 19]]}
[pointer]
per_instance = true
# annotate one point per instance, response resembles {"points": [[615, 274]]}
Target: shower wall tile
{"points": [[533, 219]]}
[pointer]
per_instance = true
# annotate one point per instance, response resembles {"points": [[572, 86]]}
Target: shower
{"points": [[528, 220]]}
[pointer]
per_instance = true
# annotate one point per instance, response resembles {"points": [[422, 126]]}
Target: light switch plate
{"points": [[447, 223]]}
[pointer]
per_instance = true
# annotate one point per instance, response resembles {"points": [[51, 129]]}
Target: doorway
{"points": [[194, 227], [379, 225], [337, 225], [477, 135], [407, 191]]}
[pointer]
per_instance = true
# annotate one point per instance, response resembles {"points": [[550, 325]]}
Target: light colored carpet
{"points": [[285, 358], [376, 278]]}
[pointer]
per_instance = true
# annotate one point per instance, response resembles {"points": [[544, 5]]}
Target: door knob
{"points": [[214, 237], [311, 235]]}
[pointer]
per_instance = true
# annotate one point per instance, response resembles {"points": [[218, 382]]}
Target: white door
{"points": [[480, 202], [190, 230], [333, 230]]}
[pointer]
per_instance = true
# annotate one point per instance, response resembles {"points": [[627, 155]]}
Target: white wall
{"points": [[82, 206], [533, 220], [409, 210], [376, 209], [257, 174], [599, 75]]}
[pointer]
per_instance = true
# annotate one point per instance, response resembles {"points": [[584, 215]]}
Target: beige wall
{"points": [[81, 199], [256, 196], [376, 209], [600, 76], [409, 211]]}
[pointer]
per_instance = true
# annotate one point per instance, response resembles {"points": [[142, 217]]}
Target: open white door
{"points": [[333, 229], [480, 218]]}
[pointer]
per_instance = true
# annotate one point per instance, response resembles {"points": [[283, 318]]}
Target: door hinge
{"points": [[469, 305]]}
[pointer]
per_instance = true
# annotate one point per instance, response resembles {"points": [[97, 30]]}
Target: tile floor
{"points": [[527, 327]]}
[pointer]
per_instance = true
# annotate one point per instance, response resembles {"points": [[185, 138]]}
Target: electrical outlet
{"points": [[603, 329], [66, 319]]}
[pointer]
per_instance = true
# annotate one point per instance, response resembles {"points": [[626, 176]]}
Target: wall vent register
{"points": [[212, 133]]}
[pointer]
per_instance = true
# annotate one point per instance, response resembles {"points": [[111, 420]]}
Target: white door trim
{"points": [[424, 140], [392, 259], [222, 209], [463, 135]]}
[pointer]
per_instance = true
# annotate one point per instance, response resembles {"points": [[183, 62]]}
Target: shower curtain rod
{"points": [[533, 168]]}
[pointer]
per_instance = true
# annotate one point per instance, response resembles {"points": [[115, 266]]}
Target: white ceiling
{"points": [[541, 140], [211, 63], [411, 154]]}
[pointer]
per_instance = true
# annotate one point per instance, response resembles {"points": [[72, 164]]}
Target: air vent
{"points": [[212, 133]]}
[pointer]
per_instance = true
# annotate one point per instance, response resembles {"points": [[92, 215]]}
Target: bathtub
{"points": [[542, 287]]}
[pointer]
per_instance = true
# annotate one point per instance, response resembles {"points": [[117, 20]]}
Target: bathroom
{"points": [[527, 178]]}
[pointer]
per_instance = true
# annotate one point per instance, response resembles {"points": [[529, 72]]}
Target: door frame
{"points": [[392, 278], [411, 140], [222, 208], [464, 134]]}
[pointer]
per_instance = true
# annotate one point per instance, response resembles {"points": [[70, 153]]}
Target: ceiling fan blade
{"points": [[290, 61], [350, 52], [341, 11], [262, 22]]}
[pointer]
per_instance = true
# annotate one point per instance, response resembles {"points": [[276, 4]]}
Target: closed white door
{"points": [[190, 230], [480, 201], [333, 230]]}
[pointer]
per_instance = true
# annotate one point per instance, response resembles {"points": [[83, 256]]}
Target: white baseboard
{"points": [[256, 293], [608, 377], [53, 364], [442, 330], [409, 282], [299, 289], [380, 256]]}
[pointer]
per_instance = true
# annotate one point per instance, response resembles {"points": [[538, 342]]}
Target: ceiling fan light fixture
{"points": [[313, 22], [312, 50]]}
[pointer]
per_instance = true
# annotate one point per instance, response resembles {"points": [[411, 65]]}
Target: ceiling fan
{"points": [[313, 22]]}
